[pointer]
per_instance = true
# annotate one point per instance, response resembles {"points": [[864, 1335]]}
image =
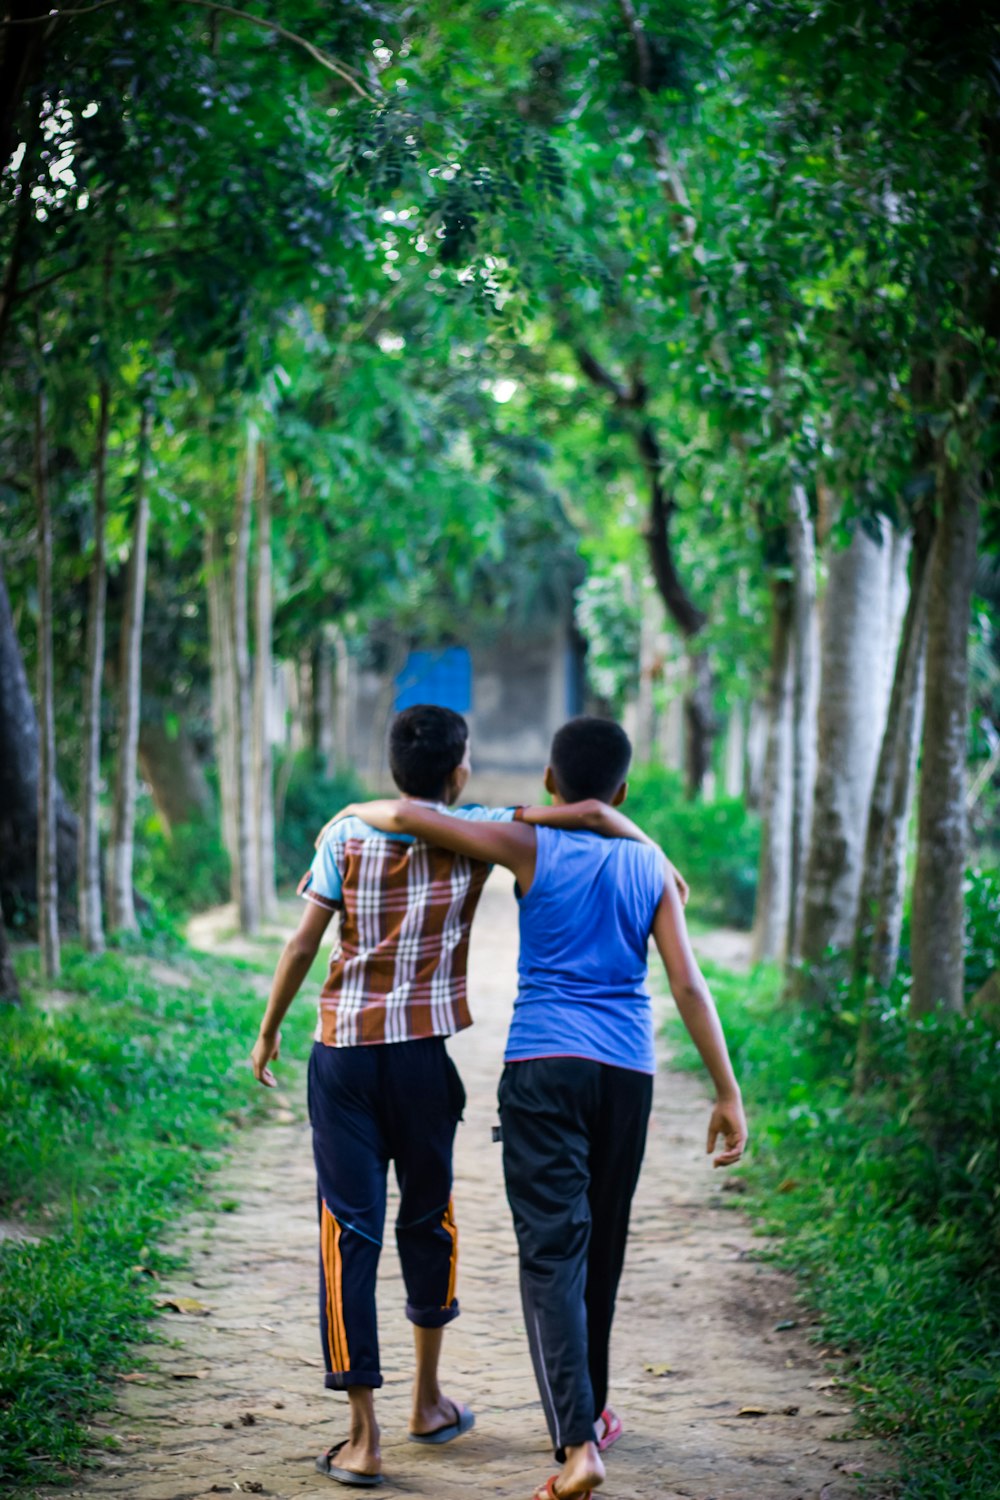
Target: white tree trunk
{"points": [[880, 903], [805, 669], [326, 705], [48, 883], [850, 724], [756, 755], [345, 685], [770, 929], [938, 896], [246, 851], [121, 905], [734, 764], [223, 695], [263, 683], [89, 857]]}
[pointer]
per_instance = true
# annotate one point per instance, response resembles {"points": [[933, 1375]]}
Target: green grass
{"points": [[888, 1209], [113, 1111]]}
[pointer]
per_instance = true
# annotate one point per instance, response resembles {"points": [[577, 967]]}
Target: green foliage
{"points": [[181, 872], [715, 845], [982, 927], [113, 1106], [888, 1206], [310, 801]]}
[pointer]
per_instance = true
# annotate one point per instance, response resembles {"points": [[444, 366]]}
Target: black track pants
{"points": [[574, 1133], [369, 1106]]}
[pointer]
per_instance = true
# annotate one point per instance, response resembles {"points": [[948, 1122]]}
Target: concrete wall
{"points": [[522, 690]]}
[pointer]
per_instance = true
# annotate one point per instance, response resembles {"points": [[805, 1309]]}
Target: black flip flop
{"points": [[349, 1477], [464, 1420]]}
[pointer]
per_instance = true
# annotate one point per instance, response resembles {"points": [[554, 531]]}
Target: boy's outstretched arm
{"points": [[698, 1012], [293, 966], [509, 844]]}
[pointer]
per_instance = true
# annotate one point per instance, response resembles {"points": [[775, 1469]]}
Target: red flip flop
{"points": [[548, 1491], [612, 1429]]}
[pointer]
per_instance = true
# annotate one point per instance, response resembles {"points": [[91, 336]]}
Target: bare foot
{"points": [[428, 1416], [582, 1472], [358, 1456]]}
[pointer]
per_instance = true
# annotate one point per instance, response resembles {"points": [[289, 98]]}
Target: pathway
{"points": [[704, 1331]]}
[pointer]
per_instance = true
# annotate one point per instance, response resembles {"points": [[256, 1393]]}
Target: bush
{"points": [[182, 872], [888, 1205], [310, 800], [715, 845], [112, 1113]]}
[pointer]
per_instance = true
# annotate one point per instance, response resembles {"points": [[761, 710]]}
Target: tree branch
{"points": [[323, 58]]}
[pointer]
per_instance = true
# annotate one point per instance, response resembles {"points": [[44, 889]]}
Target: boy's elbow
{"points": [[301, 949], [692, 993]]}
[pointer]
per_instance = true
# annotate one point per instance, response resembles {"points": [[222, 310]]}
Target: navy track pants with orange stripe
{"points": [[398, 1102]]}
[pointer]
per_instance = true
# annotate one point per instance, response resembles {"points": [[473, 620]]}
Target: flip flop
{"points": [[350, 1477], [464, 1419], [612, 1429], [548, 1491]]}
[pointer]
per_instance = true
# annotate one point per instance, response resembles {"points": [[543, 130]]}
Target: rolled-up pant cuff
{"points": [[432, 1317], [342, 1380]]}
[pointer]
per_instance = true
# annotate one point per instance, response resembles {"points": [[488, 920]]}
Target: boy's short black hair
{"points": [[426, 743], [590, 758]]}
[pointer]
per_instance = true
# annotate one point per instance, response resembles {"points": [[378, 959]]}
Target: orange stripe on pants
{"points": [[449, 1223], [333, 1275]]}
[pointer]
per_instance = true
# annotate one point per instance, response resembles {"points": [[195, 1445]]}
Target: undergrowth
{"points": [[888, 1207], [116, 1094]]}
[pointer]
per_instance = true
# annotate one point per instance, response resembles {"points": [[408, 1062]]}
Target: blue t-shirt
{"points": [[585, 925]]}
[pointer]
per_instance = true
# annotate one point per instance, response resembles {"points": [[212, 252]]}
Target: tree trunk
{"points": [[802, 551], [223, 695], [263, 680], [344, 679], [326, 705], [246, 851], [48, 879], [938, 897], [734, 766], [121, 905], [172, 770], [770, 929], [879, 915], [849, 735], [20, 756], [10, 993], [88, 884]]}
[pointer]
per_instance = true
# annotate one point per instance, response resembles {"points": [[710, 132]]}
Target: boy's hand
{"points": [[683, 889], [381, 814], [265, 1050], [729, 1121], [350, 811]]}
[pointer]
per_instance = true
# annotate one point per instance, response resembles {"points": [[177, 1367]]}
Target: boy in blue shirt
{"points": [[576, 1089]]}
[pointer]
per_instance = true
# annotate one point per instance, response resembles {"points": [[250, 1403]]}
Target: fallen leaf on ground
{"points": [[785, 1324], [189, 1374], [145, 1271], [138, 1377], [248, 1419], [789, 1185], [752, 1411], [657, 1369], [189, 1305], [790, 1411]]}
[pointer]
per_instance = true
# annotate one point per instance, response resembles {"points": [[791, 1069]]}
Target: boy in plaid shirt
{"points": [[381, 1084]]}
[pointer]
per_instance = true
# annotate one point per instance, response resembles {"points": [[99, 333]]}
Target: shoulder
{"points": [[475, 812]]}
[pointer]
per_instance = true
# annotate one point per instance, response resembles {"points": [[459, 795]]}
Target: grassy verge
{"points": [[116, 1095], [887, 1207]]}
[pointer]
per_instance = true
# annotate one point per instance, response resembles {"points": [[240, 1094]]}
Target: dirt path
{"points": [[238, 1404]]}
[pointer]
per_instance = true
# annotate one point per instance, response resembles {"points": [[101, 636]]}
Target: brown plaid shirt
{"points": [[397, 972]]}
